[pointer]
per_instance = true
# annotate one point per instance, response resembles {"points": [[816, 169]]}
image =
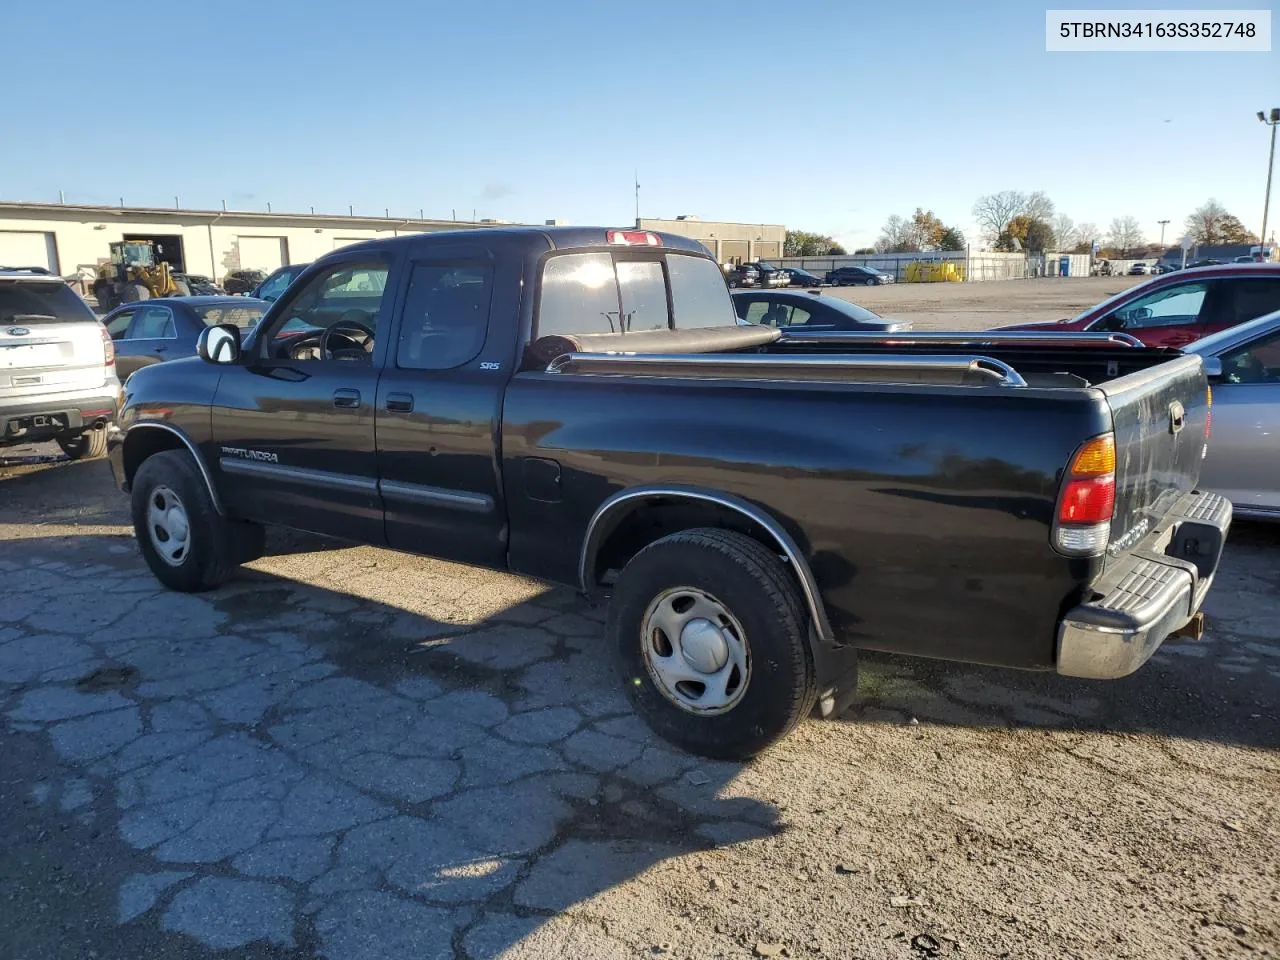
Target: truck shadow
{"points": [[449, 770], [1223, 688]]}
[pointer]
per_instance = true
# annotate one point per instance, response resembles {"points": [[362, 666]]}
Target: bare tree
{"points": [[1210, 223], [994, 211], [1086, 234], [898, 235], [1064, 232], [1125, 235], [1038, 207]]}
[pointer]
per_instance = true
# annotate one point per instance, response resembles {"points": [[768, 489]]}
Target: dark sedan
{"points": [[151, 331], [857, 276], [802, 278], [794, 309], [278, 282]]}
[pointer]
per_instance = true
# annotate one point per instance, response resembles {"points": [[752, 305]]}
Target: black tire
{"points": [[216, 544], [86, 445], [106, 299], [134, 291], [181, 289], [752, 584], [870, 282]]}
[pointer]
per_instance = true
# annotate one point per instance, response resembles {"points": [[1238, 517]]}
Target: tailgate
{"points": [[1159, 415]]}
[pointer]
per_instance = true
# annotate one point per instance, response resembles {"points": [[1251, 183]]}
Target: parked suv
{"points": [[57, 366]]}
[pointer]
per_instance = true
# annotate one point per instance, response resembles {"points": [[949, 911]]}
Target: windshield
{"points": [[28, 303], [239, 315]]}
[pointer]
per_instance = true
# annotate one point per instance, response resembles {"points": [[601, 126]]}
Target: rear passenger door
{"points": [[439, 403], [152, 337]]}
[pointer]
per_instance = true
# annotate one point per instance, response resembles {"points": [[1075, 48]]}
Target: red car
{"points": [[1176, 308]]}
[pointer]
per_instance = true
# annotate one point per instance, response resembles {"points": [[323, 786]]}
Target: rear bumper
{"points": [[45, 416], [1152, 593]]}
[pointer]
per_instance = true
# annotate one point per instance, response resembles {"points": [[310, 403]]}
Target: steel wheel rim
{"points": [[168, 526], [696, 651]]}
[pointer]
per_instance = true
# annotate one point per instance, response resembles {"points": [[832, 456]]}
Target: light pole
{"points": [[1163, 224], [1272, 121]]}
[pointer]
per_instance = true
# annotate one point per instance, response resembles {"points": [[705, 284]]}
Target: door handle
{"points": [[400, 402], [347, 398]]}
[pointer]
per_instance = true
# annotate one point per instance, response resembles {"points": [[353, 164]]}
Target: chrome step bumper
{"points": [[1147, 596]]}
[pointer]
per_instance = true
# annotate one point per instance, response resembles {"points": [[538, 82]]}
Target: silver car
{"points": [[1243, 463], [57, 366]]}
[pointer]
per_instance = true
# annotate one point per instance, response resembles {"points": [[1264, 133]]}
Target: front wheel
{"points": [[870, 282], [187, 544], [712, 643]]}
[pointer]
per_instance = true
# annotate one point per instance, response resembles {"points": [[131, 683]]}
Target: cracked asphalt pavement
{"points": [[356, 754]]}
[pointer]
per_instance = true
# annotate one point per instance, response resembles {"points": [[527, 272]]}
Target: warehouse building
{"points": [[728, 242], [70, 239]]}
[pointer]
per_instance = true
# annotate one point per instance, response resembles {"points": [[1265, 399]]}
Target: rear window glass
{"points": [[698, 294], [27, 304], [243, 317], [590, 293], [579, 295], [644, 296]]}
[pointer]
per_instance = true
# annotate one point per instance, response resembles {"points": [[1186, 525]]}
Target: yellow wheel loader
{"points": [[132, 273]]}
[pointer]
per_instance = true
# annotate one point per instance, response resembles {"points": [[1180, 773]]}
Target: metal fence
{"points": [[973, 267]]}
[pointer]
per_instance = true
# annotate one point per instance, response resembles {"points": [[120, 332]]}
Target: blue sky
{"points": [[528, 111]]}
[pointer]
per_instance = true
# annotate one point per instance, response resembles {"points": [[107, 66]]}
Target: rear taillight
{"points": [[108, 348], [634, 238], [1087, 502]]}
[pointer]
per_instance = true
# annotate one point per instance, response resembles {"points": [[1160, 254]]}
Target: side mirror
{"points": [[219, 344], [1112, 323], [1212, 367]]}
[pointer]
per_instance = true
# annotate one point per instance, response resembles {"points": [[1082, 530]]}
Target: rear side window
{"points": [[28, 303], [446, 315]]}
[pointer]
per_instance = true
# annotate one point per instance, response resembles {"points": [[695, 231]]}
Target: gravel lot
{"points": [[353, 753]]}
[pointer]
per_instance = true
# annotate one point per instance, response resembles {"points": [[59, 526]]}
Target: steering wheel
{"points": [[361, 348]]}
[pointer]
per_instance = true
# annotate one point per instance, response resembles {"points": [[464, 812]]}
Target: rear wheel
{"points": [[102, 293], [86, 445], [187, 544], [712, 643], [134, 291]]}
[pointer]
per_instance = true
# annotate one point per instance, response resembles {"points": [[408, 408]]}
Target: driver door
{"points": [[293, 421]]}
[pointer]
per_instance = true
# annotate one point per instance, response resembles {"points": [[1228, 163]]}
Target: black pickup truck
{"points": [[581, 405]]}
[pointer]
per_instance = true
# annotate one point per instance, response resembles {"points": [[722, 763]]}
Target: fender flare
{"points": [[191, 447], [616, 508]]}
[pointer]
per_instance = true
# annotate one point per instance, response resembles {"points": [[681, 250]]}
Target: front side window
{"points": [[334, 316], [1259, 362], [1176, 306], [446, 315]]}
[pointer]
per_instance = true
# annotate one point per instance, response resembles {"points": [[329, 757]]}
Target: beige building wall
{"points": [[213, 243], [728, 242]]}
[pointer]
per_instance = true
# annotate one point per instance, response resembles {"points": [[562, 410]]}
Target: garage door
{"points": [[263, 253], [20, 248]]}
